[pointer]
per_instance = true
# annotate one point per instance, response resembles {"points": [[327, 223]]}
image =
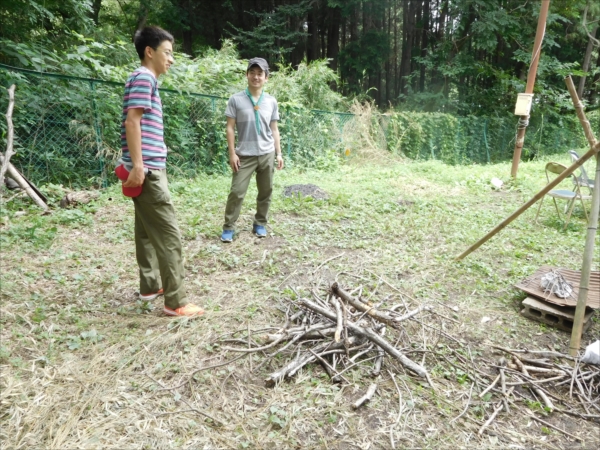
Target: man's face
{"points": [[256, 77], [162, 57]]}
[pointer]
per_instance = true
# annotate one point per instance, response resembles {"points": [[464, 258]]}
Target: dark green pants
{"points": [[158, 241], [264, 166]]}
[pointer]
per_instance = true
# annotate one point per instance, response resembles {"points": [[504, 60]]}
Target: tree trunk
{"points": [[388, 18], [333, 36], [96, 6], [396, 75], [424, 43], [312, 42], [408, 21], [142, 17], [586, 62], [595, 93], [187, 42]]}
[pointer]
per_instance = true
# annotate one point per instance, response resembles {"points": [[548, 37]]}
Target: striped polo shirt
{"points": [[141, 91]]}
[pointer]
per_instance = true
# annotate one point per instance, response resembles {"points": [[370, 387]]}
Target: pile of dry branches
{"points": [[540, 376], [340, 332]]}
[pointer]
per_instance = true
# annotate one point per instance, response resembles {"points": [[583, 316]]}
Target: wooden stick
{"points": [[588, 253], [373, 337], [360, 306], [366, 397], [579, 110], [491, 419], [502, 364], [547, 380], [544, 353], [10, 132], [591, 152], [537, 390], [592, 417], [490, 387], [333, 374], [586, 267], [410, 314], [340, 321], [23, 184], [549, 425], [466, 407], [326, 261]]}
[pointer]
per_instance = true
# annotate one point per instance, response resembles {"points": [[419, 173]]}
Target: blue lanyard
{"points": [[256, 108]]}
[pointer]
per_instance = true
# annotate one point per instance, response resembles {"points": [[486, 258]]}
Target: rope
{"points": [[523, 123]]}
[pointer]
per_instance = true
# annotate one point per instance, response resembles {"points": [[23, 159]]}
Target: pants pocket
{"points": [[155, 189]]}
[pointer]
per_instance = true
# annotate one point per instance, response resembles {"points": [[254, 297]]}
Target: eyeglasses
{"points": [[168, 53]]}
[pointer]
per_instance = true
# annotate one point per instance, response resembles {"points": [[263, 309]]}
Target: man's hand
{"points": [[279, 161], [234, 162], [135, 178]]}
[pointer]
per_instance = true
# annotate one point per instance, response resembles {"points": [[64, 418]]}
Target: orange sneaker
{"points": [[189, 310], [152, 296]]}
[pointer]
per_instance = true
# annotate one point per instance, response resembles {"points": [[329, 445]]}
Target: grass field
{"points": [[84, 364]]}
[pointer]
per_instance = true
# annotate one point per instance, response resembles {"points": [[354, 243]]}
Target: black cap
{"points": [[260, 62]]}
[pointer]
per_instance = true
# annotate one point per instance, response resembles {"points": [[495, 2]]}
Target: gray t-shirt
{"points": [[250, 143]]}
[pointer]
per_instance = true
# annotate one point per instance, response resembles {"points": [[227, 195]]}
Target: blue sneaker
{"points": [[259, 231], [227, 236]]}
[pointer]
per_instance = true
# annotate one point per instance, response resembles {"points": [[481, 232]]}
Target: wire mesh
{"points": [[67, 131]]}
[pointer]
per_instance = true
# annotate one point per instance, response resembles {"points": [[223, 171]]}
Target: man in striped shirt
{"points": [[157, 236]]}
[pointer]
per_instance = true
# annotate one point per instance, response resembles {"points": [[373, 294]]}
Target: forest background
{"points": [[445, 72]]}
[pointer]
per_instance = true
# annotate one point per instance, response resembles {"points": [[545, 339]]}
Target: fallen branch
{"points": [[491, 386], [466, 407], [491, 419], [339, 318], [549, 425], [23, 184], [536, 389], [360, 306], [365, 398]]}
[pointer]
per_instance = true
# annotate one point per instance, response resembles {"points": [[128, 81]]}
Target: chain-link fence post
{"points": [[487, 147], [98, 136]]}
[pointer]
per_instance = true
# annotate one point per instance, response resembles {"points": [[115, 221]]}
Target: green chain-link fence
{"points": [[67, 131]]}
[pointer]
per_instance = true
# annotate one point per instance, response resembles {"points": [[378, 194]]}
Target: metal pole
{"points": [[535, 59]]}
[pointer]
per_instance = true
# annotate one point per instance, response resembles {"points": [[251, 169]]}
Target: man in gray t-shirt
{"points": [[255, 114]]}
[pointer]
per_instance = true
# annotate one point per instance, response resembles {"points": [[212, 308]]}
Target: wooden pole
{"points": [[10, 132], [23, 184], [592, 152], [583, 120], [535, 59], [595, 148], [588, 253], [586, 267]]}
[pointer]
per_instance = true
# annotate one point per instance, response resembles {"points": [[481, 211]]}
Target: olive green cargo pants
{"points": [[264, 166], [158, 241]]}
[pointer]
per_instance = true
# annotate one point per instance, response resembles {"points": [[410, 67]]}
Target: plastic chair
{"points": [[556, 169]]}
